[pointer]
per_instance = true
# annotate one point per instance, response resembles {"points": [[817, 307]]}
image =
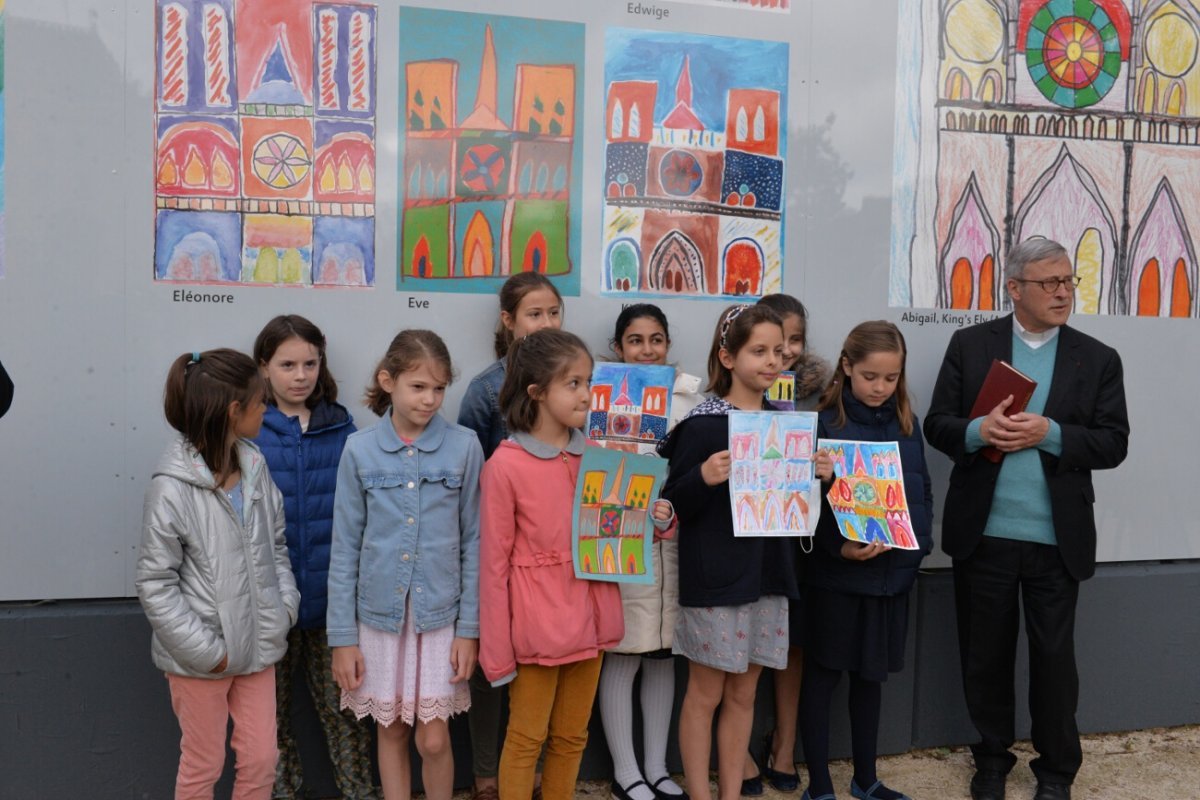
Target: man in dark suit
{"points": [[1024, 527]]}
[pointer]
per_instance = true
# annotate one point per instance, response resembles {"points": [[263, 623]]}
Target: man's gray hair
{"points": [[1030, 250]]}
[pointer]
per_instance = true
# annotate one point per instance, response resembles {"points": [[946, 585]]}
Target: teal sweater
{"points": [[1021, 503]]}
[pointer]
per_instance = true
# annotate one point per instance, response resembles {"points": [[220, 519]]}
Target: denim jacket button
{"points": [[417, 590], [404, 557], [408, 453], [411, 484], [411, 520]]}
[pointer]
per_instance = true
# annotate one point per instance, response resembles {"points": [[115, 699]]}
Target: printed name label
{"points": [[415, 303], [957, 318], [188, 296], [647, 10]]}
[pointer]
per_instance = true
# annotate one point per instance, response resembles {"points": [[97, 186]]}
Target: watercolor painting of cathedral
{"points": [[695, 146], [265, 142], [1073, 120], [631, 405], [613, 530], [490, 156], [771, 481], [867, 497]]}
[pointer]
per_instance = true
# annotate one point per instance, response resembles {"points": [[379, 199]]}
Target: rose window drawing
{"points": [[281, 161], [680, 173], [483, 167], [1073, 53]]}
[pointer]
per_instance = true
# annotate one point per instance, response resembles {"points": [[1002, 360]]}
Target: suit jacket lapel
{"points": [[1066, 370]]}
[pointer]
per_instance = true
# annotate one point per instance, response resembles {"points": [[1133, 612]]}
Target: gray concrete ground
{"points": [[1158, 764]]}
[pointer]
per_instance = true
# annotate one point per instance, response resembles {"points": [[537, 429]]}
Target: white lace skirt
{"points": [[407, 676]]}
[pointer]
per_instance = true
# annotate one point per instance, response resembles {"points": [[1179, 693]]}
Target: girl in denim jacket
{"points": [[403, 617]]}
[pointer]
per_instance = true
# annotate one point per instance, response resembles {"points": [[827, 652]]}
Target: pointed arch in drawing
{"points": [[1062, 205], [969, 278], [1163, 269]]}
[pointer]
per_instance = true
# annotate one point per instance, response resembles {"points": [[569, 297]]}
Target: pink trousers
{"points": [[203, 708]]}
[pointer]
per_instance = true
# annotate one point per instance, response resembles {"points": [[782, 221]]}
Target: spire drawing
{"points": [[682, 116], [483, 116], [612, 497]]}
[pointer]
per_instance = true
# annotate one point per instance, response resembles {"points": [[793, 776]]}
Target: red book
{"points": [[1002, 380]]}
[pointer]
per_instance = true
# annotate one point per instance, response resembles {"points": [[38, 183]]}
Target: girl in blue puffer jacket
{"points": [[303, 433], [857, 597]]}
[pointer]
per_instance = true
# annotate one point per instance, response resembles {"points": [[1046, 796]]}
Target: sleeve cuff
{"points": [[664, 524], [1052, 443], [467, 630], [975, 440], [341, 638], [507, 679]]}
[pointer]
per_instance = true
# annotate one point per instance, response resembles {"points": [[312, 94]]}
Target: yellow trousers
{"points": [[551, 706]]}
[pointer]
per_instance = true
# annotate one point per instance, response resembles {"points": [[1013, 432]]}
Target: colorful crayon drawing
{"points": [[613, 532], [867, 497], [2, 211], [771, 484], [1011, 112], [779, 6], [631, 406], [265, 142], [782, 394], [490, 156], [695, 143]]}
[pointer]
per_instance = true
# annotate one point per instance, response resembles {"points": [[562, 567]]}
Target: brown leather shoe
{"points": [[486, 793]]}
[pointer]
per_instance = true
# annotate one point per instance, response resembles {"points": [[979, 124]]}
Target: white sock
{"points": [[658, 699], [616, 712]]}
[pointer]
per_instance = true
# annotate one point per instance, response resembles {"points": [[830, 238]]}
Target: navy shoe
{"points": [[870, 793], [1053, 791], [659, 794], [807, 796], [781, 781], [753, 787]]}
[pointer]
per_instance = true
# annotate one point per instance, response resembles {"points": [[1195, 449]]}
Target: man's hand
{"points": [[1010, 434]]}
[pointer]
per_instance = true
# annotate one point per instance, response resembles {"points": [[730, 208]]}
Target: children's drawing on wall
{"points": [[771, 483], [780, 6], [490, 154], [695, 142], [631, 406], [614, 529], [1074, 120], [782, 394], [3, 213], [265, 142], [867, 496]]}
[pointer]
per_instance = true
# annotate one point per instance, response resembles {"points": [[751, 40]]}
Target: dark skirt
{"points": [[796, 614], [856, 633]]}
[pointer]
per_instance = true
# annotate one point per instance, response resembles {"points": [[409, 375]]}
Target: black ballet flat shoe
{"points": [[753, 787]]}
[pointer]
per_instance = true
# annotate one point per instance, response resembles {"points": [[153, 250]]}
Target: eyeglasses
{"points": [[1050, 285]]}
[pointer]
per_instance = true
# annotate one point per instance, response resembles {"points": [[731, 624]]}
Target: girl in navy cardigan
{"points": [[857, 594], [733, 591], [303, 433]]}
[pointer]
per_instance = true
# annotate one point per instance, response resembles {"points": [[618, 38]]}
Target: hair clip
{"points": [[195, 357], [726, 323]]}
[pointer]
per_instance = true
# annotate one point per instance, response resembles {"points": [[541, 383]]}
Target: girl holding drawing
{"points": [[528, 303], [812, 373], [403, 618], [857, 593], [303, 433], [642, 337], [544, 630], [213, 574], [733, 592]]}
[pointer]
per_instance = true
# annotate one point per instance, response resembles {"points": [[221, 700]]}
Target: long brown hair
{"points": [[199, 390], [408, 350], [733, 330], [535, 360], [511, 294], [875, 336], [278, 331]]}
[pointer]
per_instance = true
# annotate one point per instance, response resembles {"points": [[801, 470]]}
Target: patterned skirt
{"points": [[407, 676], [731, 638]]}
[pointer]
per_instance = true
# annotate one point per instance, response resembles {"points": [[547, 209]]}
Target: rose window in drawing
{"points": [[1073, 53], [483, 167], [281, 161], [680, 173], [864, 493], [621, 425]]}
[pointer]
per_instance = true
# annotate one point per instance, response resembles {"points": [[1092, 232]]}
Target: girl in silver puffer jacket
{"points": [[213, 574]]}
